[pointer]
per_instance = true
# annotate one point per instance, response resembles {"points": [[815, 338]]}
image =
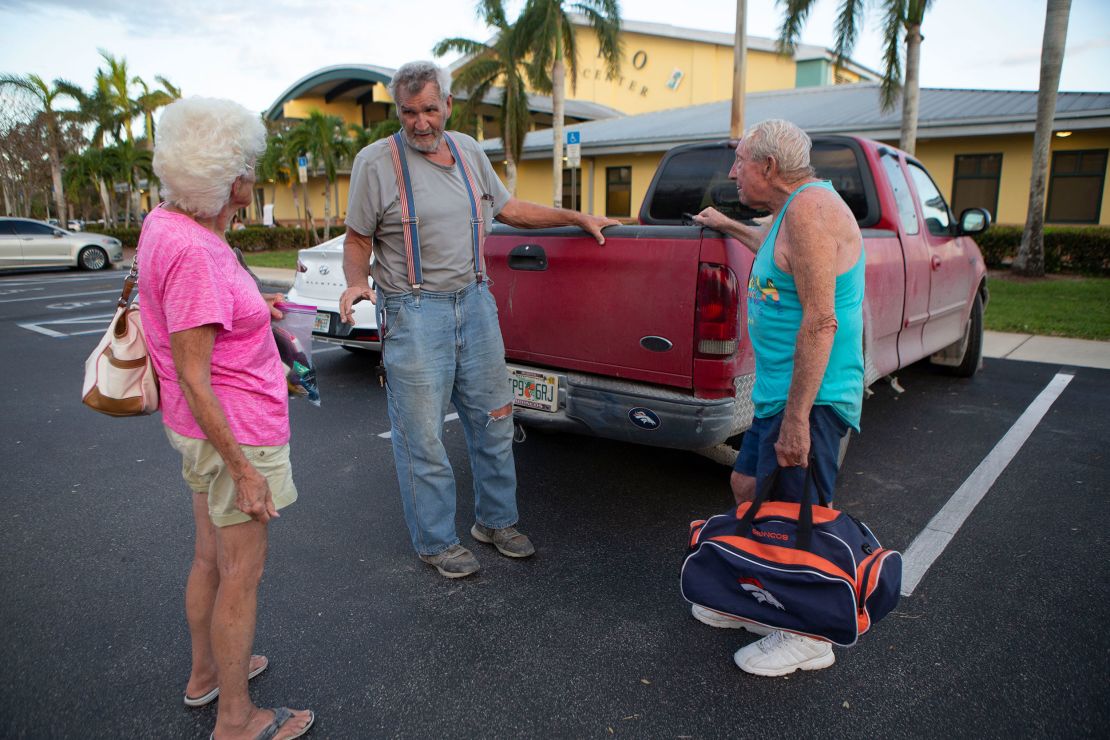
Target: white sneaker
{"points": [[782, 652], [724, 621]]}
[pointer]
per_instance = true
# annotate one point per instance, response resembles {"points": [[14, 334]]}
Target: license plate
{"points": [[534, 390], [323, 322]]}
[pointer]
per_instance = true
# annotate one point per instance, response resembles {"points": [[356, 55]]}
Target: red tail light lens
{"points": [[716, 320], [301, 267]]}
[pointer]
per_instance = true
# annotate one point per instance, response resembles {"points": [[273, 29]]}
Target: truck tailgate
{"points": [[624, 309]]}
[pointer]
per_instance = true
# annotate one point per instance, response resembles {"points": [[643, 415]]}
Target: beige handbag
{"points": [[119, 374]]}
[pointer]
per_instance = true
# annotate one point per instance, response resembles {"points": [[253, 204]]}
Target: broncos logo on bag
{"points": [[760, 594]]}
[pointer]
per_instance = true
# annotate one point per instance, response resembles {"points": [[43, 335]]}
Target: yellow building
{"points": [[674, 88], [664, 67]]}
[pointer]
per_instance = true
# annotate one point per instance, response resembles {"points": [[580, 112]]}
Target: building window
{"points": [[618, 192], [576, 204], [1075, 186], [975, 182]]}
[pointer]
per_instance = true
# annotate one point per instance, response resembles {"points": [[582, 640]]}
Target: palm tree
{"points": [[502, 62], [149, 102], [272, 167], [92, 167], [324, 139], [96, 109], [117, 83], [898, 16], [546, 31], [1030, 257], [365, 136], [131, 162], [45, 95]]}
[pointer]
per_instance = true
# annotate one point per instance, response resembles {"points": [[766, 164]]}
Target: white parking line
{"points": [[450, 417], [63, 295], [40, 326], [326, 348], [49, 280], [932, 540]]}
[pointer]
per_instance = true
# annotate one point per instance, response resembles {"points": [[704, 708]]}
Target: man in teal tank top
{"points": [[805, 321]]}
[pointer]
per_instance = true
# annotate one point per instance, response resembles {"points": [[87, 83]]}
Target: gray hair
{"points": [[203, 144], [784, 141], [411, 78]]}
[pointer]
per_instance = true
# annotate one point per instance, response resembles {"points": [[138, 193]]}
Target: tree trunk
{"points": [[1030, 257], [739, 80], [558, 95], [56, 177], [510, 173], [127, 209], [104, 205], [911, 90], [327, 209]]}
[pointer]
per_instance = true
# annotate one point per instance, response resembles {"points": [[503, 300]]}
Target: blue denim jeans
{"points": [[441, 349]]}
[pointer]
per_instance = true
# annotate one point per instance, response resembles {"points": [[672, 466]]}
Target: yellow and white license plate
{"points": [[534, 390], [322, 323]]}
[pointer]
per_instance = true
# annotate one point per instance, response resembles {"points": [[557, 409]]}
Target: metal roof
{"points": [[842, 109]]}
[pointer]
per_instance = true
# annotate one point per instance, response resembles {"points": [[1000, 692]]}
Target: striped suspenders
{"points": [[411, 222]]}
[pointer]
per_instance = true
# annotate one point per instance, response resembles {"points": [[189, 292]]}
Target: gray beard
{"points": [[421, 147]]}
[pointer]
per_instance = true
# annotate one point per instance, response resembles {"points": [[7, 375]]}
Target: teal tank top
{"points": [[774, 317]]}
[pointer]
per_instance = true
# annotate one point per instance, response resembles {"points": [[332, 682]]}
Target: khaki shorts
{"points": [[205, 472]]}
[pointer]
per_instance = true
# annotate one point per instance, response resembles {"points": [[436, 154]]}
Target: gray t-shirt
{"points": [[442, 204]]}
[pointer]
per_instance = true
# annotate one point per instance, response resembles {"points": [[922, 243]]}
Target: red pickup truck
{"points": [[643, 340]]}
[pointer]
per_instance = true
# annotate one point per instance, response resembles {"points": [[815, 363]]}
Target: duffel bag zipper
{"points": [[862, 587]]}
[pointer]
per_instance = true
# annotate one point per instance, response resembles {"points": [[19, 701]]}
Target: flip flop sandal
{"points": [[281, 716], [206, 699]]}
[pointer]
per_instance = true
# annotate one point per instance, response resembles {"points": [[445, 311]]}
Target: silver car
{"points": [[25, 242], [319, 282]]}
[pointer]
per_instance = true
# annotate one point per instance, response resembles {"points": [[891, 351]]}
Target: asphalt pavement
{"points": [[1005, 636]]}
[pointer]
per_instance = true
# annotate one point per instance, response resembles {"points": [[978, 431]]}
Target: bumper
{"points": [[641, 413]]}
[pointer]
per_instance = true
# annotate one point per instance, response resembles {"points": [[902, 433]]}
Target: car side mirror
{"points": [[58, 234], [974, 221]]}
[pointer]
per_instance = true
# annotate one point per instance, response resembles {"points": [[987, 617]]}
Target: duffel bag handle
{"points": [[805, 510]]}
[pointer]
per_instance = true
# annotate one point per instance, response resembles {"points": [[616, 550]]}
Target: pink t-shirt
{"points": [[189, 277]]}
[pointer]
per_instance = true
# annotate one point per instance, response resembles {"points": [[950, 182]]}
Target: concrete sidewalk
{"points": [[1055, 350], [996, 344]]}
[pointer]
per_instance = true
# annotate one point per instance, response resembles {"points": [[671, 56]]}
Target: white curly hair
{"points": [[411, 78], [203, 144], [784, 141]]}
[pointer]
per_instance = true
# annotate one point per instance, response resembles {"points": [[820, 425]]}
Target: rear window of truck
{"points": [[692, 179]]}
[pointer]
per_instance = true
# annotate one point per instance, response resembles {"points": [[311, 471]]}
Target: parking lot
{"points": [[1003, 636]]}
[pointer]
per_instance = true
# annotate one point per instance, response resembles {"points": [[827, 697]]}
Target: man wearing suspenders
{"points": [[805, 322], [421, 202]]}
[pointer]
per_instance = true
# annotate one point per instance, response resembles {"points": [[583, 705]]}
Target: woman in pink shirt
{"points": [[223, 394]]}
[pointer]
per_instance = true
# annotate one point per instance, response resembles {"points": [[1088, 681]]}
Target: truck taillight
{"points": [[716, 318]]}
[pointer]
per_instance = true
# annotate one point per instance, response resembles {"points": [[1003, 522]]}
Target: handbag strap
{"points": [[129, 282]]}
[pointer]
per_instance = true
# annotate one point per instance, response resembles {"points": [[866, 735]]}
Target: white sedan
{"points": [[319, 282]]}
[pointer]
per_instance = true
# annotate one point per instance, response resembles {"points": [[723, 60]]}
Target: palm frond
{"points": [[894, 20], [797, 11]]}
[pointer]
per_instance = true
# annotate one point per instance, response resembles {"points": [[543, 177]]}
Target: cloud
{"points": [[1032, 55]]}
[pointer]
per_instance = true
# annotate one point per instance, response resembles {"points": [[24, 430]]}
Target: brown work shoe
{"points": [[454, 562], [507, 540]]}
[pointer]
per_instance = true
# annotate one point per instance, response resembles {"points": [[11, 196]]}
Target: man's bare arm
{"points": [[751, 236], [525, 215], [357, 249], [812, 259]]}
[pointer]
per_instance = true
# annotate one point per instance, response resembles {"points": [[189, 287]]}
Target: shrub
{"points": [[1084, 249], [262, 239], [250, 239]]}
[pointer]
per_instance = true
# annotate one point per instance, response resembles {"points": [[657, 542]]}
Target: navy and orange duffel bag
{"points": [[803, 568]]}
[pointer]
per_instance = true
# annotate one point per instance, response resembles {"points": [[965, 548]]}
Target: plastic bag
{"points": [[293, 334]]}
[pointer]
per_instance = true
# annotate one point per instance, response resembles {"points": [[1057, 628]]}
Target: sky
{"points": [[252, 51]]}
